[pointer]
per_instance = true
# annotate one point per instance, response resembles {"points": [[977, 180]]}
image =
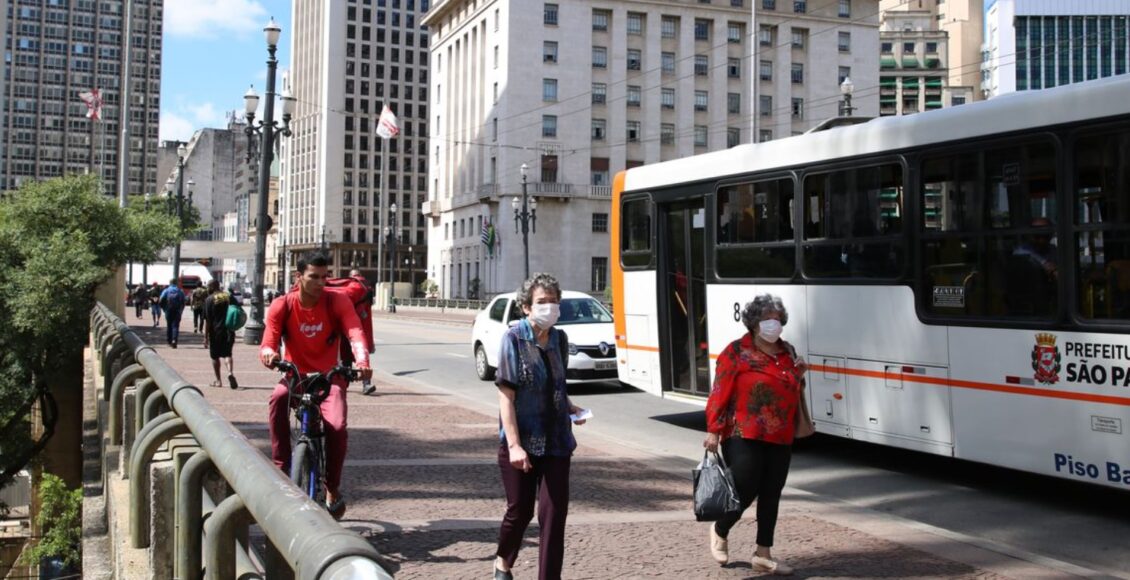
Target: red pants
{"points": [[334, 412]]}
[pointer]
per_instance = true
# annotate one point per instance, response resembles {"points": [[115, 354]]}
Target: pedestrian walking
{"points": [[172, 301], [753, 410], [154, 303], [536, 433], [217, 336], [140, 300], [196, 301]]}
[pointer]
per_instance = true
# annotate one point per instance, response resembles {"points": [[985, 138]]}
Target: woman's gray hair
{"points": [[540, 280], [757, 308]]}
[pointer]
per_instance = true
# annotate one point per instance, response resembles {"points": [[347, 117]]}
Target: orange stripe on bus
{"points": [[619, 323]]}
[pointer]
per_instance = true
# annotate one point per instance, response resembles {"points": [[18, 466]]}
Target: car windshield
{"points": [[583, 311]]}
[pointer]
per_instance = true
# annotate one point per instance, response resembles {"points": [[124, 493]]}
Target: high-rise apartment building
{"points": [[913, 61], [1037, 44], [577, 91], [350, 59], [57, 50]]}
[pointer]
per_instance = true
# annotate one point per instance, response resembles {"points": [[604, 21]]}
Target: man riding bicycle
{"points": [[312, 322]]}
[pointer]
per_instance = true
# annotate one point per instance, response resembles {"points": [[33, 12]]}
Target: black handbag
{"points": [[714, 492]]}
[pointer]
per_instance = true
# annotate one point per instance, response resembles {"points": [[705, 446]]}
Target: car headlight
{"points": [[572, 348]]}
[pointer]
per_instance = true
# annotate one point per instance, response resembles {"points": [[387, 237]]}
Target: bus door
{"points": [[684, 351]]}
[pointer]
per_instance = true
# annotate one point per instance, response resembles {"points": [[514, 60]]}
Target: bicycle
{"points": [[308, 457]]}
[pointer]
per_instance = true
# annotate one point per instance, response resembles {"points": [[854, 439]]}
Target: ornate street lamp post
{"points": [[182, 152], [526, 214], [846, 89], [267, 130], [391, 236]]}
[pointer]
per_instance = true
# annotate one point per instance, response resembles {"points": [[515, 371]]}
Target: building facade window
{"points": [[599, 93], [734, 32], [549, 125], [800, 38], [635, 59], [844, 73], [797, 73], [599, 223], [600, 20], [734, 103], [635, 23], [667, 98], [765, 70], [845, 8], [765, 35], [701, 99], [549, 52], [700, 135], [668, 27], [733, 136], [634, 95], [599, 57], [798, 108], [667, 134], [668, 63], [702, 29], [549, 15], [599, 129], [734, 68], [701, 65], [599, 273], [633, 131], [765, 105], [768, 4], [844, 41], [800, 6], [764, 135], [549, 90]]}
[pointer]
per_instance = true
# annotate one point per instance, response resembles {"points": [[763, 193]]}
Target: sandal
{"points": [[216, 384], [775, 567], [232, 382], [337, 508]]}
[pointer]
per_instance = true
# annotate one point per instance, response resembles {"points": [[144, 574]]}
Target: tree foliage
{"points": [[59, 240], [60, 518]]}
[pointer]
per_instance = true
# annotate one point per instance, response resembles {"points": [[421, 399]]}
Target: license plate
{"points": [[605, 365]]}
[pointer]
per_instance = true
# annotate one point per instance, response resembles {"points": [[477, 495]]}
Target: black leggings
{"points": [[760, 470]]}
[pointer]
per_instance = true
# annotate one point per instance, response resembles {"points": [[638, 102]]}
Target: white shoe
{"points": [[775, 567], [719, 547]]}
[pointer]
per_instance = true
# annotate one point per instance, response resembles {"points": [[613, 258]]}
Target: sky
{"points": [[213, 50]]}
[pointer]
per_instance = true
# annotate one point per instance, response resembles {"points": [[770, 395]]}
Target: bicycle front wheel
{"points": [[303, 471]]}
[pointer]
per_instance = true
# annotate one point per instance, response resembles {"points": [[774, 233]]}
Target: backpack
{"points": [[236, 318], [173, 301], [198, 297]]}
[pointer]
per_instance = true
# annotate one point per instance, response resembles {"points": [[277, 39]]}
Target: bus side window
{"points": [[635, 232], [1101, 230], [988, 247]]}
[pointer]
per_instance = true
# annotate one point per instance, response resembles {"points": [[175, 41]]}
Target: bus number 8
{"points": [[737, 312]]}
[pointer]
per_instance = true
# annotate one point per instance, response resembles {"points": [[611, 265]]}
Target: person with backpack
{"points": [[218, 336], [172, 301], [312, 321], [154, 303], [364, 307], [140, 300], [197, 303]]}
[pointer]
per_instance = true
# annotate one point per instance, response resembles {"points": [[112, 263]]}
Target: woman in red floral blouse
{"points": [[752, 411]]}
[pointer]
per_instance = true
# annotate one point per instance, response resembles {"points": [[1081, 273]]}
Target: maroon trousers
{"points": [[548, 483]]}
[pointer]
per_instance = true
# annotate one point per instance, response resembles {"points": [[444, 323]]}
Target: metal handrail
{"points": [[308, 538]]}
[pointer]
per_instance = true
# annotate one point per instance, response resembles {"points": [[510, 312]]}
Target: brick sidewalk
{"points": [[423, 486]]}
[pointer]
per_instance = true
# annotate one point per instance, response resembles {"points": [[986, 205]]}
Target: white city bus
{"points": [[958, 280]]}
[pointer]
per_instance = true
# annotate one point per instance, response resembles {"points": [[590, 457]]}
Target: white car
{"points": [[592, 343]]}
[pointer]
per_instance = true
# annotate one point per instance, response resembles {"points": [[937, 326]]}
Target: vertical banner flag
{"points": [[387, 126], [93, 100], [487, 236]]}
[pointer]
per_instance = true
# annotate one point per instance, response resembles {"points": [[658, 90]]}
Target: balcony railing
{"points": [[600, 191], [551, 188]]}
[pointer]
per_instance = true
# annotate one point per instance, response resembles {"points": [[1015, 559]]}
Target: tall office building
{"points": [[914, 62], [1037, 44], [616, 84], [350, 59], [57, 50]]}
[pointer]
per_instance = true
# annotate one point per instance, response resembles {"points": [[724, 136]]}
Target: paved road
{"points": [[1071, 527]]}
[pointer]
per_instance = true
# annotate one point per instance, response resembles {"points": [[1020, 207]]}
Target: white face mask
{"points": [[544, 315], [769, 330]]}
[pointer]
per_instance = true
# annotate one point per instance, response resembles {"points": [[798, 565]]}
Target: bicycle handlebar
{"points": [[294, 378]]}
